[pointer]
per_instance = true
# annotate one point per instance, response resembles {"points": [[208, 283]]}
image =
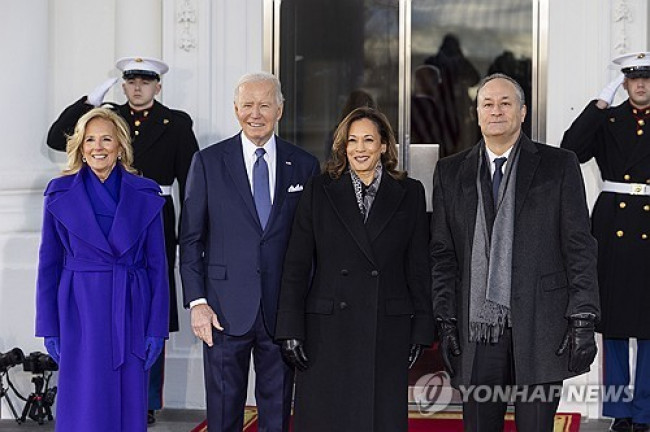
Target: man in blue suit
{"points": [[239, 204]]}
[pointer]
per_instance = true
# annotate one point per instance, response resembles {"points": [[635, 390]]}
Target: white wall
{"points": [[71, 46]]}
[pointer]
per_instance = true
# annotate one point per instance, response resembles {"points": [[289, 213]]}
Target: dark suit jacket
{"points": [[369, 299], [225, 256], [554, 256]]}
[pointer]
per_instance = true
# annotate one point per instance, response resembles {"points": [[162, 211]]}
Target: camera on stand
{"points": [[9, 360], [38, 363], [39, 404]]}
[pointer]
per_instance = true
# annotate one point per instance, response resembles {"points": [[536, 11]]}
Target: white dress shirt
{"points": [[492, 156]]}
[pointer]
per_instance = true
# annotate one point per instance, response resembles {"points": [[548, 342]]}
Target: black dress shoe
{"points": [[640, 427], [151, 417], [621, 425]]}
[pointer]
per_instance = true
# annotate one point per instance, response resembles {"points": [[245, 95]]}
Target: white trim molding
{"points": [[621, 18], [187, 24]]}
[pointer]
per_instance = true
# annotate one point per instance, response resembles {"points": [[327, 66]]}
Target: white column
{"points": [[82, 49], [24, 170], [138, 28]]}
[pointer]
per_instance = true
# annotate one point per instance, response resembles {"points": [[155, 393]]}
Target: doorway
{"points": [[417, 61]]}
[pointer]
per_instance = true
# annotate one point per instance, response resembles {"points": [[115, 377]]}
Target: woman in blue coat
{"points": [[102, 294]]}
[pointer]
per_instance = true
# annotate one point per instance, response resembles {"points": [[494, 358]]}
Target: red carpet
{"points": [[440, 422]]}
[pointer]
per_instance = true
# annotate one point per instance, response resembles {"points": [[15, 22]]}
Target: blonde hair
{"points": [[338, 161], [74, 146]]}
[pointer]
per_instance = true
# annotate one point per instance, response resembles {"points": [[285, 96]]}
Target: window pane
{"points": [[336, 55], [454, 44]]}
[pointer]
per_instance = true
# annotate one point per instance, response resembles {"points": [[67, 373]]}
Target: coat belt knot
{"points": [[120, 289]]}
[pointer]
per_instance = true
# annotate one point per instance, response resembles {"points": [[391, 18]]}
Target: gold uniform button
{"points": [[647, 181], [639, 132], [137, 123], [137, 133], [619, 233], [644, 236], [641, 123], [646, 207], [622, 204], [626, 177], [165, 121]]}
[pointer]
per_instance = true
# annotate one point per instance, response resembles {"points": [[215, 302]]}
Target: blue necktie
{"points": [[261, 192], [496, 179]]}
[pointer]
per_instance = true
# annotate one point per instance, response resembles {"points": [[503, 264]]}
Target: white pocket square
{"points": [[296, 188]]}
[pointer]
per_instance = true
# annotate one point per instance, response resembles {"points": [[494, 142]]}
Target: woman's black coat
{"points": [[368, 300]]}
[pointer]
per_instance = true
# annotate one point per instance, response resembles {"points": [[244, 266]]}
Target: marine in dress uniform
{"points": [[163, 142], [618, 138]]}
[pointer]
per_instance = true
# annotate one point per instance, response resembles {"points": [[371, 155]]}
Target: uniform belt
{"points": [[165, 190], [626, 188]]}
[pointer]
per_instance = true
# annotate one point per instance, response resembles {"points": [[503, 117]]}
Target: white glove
{"points": [[96, 97], [608, 93]]}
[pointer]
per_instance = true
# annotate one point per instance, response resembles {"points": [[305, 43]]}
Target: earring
{"points": [[83, 159], [119, 156]]}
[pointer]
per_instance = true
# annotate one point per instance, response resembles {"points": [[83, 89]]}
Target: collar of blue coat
{"points": [[140, 202]]}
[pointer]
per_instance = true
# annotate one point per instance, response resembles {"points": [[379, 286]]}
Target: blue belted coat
{"points": [[102, 295]]}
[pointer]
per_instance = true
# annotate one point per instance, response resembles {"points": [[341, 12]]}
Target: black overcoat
{"points": [[163, 152], [369, 299], [553, 264], [621, 222]]}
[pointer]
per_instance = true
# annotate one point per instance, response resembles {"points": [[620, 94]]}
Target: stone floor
{"points": [[168, 420], [173, 420]]}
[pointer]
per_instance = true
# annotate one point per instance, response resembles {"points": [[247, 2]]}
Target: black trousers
{"points": [[493, 376]]}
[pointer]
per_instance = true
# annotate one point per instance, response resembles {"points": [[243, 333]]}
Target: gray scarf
{"points": [[366, 194], [491, 271]]}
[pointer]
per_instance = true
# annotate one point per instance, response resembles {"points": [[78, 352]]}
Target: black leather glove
{"points": [[579, 340], [294, 353], [449, 343], [414, 353]]}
